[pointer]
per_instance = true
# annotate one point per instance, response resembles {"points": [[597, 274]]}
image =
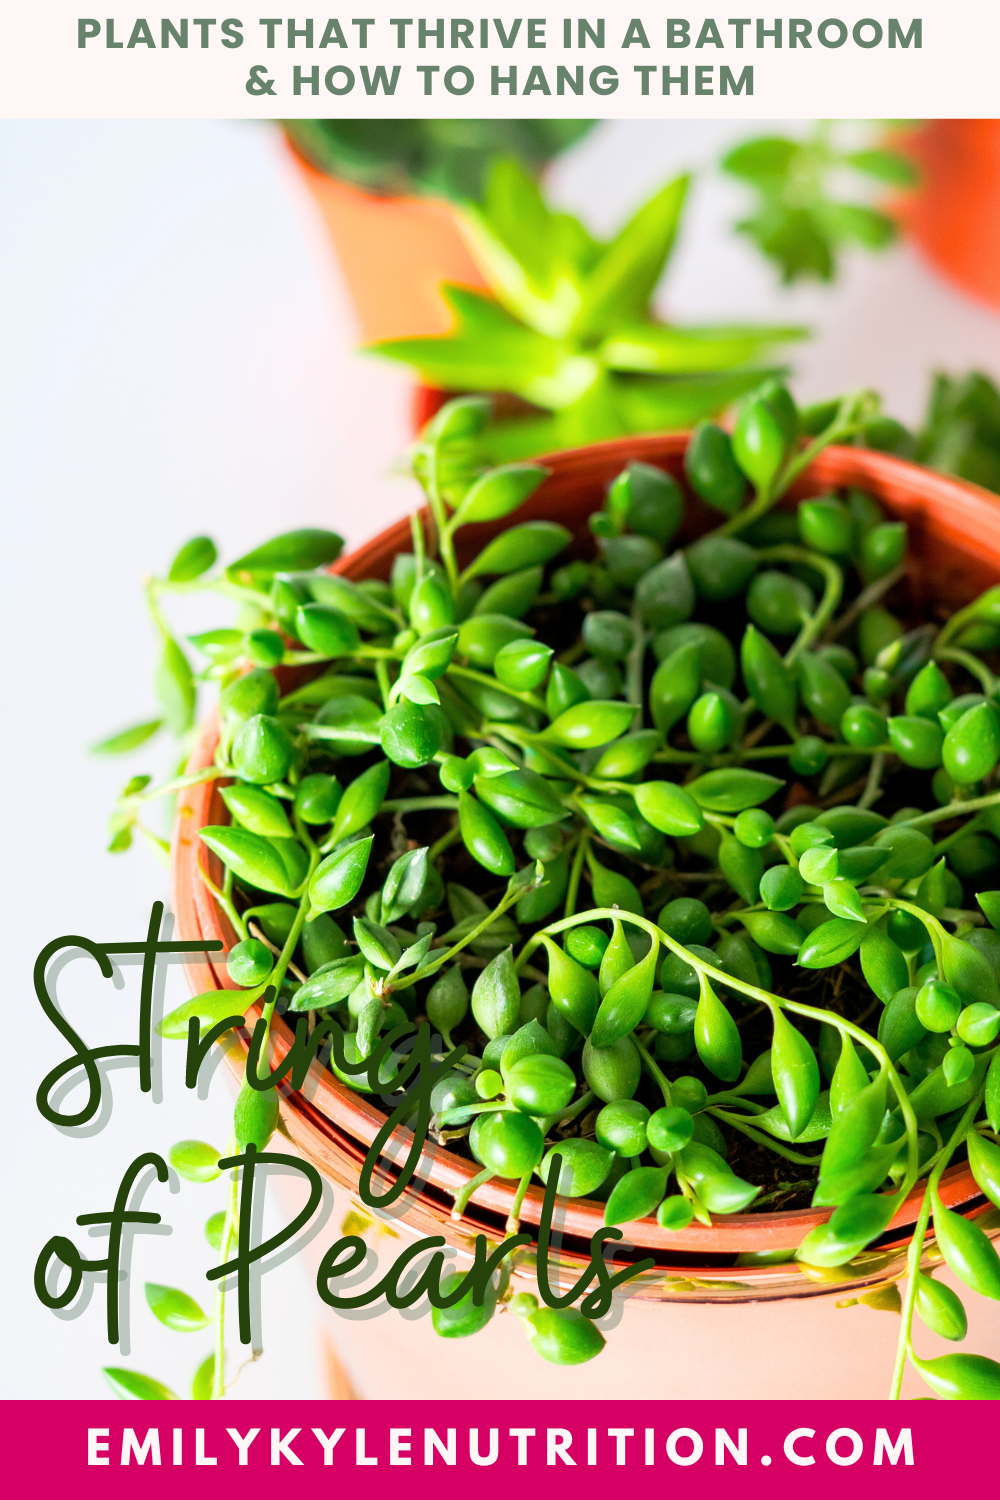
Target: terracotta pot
{"points": [[954, 215], [394, 254], [955, 547]]}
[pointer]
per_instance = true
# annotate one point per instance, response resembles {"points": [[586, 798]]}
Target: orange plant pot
{"points": [[954, 215], [394, 254], [955, 551]]}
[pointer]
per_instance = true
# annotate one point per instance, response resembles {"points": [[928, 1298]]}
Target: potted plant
{"points": [[387, 190], [708, 990], [566, 333]]}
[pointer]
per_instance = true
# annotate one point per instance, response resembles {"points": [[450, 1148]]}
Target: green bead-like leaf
{"points": [[257, 811], [379, 946], [405, 884], [742, 867], [984, 1160], [972, 745], [262, 750], [862, 1177], [624, 1004], [211, 1008], [448, 999], [636, 1195], [675, 685], [496, 996], [883, 964], [522, 798], [940, 1309], [131, 1385], [628, 755], [195, 1160], [193, 559], [717, 1037], [774, 931], [498, 492], [781, 888], [717, 1185], [587, 726], [611, 889], [538, 1084], [483, 836], [849, 1076], [770, 683], [175, 687], [338, 879], [521, 547], [618, 958], [563, 1335], [967, 1251], [611, 823], [127, 739], [612, 1072], [664, 596], [512, 595], [992, 1098], [961, 1377], [204, 1380], [841, 898], [585, 1165], [934, 1096], [325, 629], [775, 1121], [990, 903], [668, 807], [361, 801], [175, 1309], [291, 552], [731, 791], [824, 692], [573, 988], [857, 1120], [968, 971], [795, 1072], [522, 664], [851, 1227], [542, 900], [412, 733], [331, 983], [831, 942], [255, 1116]]}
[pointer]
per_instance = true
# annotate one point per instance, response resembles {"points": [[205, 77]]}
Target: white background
{"points": [[177, 358]]}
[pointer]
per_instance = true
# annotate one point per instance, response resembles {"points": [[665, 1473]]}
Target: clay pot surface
{"points": [[955, 554], [394, 253]]}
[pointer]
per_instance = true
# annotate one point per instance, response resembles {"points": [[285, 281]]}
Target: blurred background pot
{"points": [[954, 216], [387, 190], [394, 254]]}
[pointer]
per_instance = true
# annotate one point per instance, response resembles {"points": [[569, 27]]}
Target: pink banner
{"points": [[717, 1449]]}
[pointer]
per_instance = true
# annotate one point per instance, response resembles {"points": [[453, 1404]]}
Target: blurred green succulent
{"points": [[797, 222], [961, 432], [569, 328], [447, 158]]}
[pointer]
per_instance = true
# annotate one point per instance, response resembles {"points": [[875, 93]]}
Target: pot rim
{"points": [[961, 511]]}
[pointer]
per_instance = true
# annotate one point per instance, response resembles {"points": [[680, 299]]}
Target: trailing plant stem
{"points": [[904, 1346]]}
